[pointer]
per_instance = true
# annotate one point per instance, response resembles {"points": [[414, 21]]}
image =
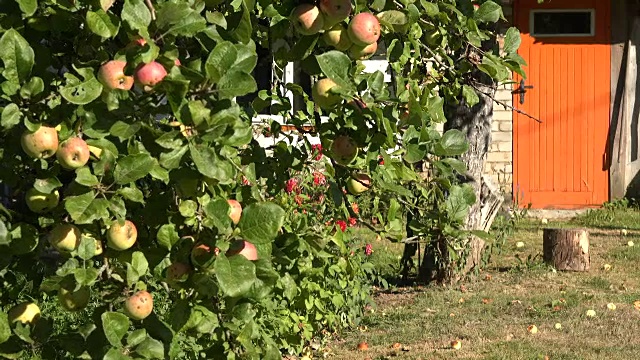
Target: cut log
{"points": [[566, 249]]}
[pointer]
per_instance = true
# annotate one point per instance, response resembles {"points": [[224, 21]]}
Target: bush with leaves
{"points": [[127, 133]]}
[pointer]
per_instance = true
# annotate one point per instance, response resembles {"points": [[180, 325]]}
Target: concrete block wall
{"points": [[499, 162]]}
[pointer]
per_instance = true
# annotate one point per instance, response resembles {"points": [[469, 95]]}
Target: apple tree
{"points": [[142, 218]]}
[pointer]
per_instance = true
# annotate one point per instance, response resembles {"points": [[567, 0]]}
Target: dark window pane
{"points": [[562, 23]]}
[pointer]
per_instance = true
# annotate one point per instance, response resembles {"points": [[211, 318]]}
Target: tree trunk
{"points": [[475, 123], [566, 249]]}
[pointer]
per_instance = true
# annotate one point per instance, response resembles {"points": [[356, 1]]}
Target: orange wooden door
{"points": [[560, 162]]}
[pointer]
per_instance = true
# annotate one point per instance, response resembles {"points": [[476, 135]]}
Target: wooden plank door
{"points": [[560, 162]]}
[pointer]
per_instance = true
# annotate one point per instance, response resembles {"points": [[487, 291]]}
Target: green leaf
{"points": [[28, 7], [171, 160], [470, 95], [115, 354], [430, 8], [133, 167], [452, 143], [5, 236], [115, 326], [5, 329], [124, 130], [336, 65], [34, 86], [209, 164], [511, 40], [217, 212], [179, 19], [103, 24], [137, 15], [455, 164], [136, 337], [140, 263], [81, 92], [11, 116], [85, 208], [150, 348], [235, 275], [86, 276], [87, 248], [261, 222], [188, 208], [24, 239], [137, 268], [85, 177], [47, 185], [459, 200], [220, 60], [488, 12], [236, 83], [17, 55], [131, 194], [167, 236]]}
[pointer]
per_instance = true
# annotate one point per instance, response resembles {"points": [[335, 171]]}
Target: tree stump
{"points": [[566, 249]]}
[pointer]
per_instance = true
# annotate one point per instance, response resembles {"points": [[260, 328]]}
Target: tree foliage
{"points": [[149, 210]]}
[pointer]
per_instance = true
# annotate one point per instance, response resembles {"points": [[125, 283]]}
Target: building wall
{"points": [[499, 163]]}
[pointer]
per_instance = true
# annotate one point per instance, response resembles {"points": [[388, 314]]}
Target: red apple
{"points": [[307, 19], [364, 29], [338, 38], [149, 75], [244, 248], [334, 11], [112, 76], [73, 153], [139, 305], [236, 211], [358, 52], [322, 96], [344, 149], [40, 144]]}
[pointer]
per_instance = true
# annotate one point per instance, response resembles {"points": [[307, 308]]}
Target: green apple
{"points": [[122, 237], [74, 300], [322, 95], [25, 313], [40, 144], [359, 183], [65, 237], [40, 202]]}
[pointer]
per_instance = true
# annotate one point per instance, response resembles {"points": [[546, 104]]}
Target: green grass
{"points": [[491, 314]]}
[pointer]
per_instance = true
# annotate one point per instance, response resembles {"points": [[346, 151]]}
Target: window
{"points": [[562, 22]]}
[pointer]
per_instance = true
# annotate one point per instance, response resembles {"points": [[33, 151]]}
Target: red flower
{"points": [[352, 221], [342, 224], [355, 208], [321, 198], [317, 149], [298, 199], [319, 179], [245, 181], [368, 250], [380, 160], [291, 185]]}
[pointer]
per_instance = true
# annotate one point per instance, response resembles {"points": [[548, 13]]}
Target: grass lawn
{"points": [[491, 314]]}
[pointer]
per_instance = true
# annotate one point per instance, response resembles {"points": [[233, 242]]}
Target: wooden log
{"points": [[566, 249]]}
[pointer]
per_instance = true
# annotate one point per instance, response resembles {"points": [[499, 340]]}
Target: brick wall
{"points": [[499, 163]]}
